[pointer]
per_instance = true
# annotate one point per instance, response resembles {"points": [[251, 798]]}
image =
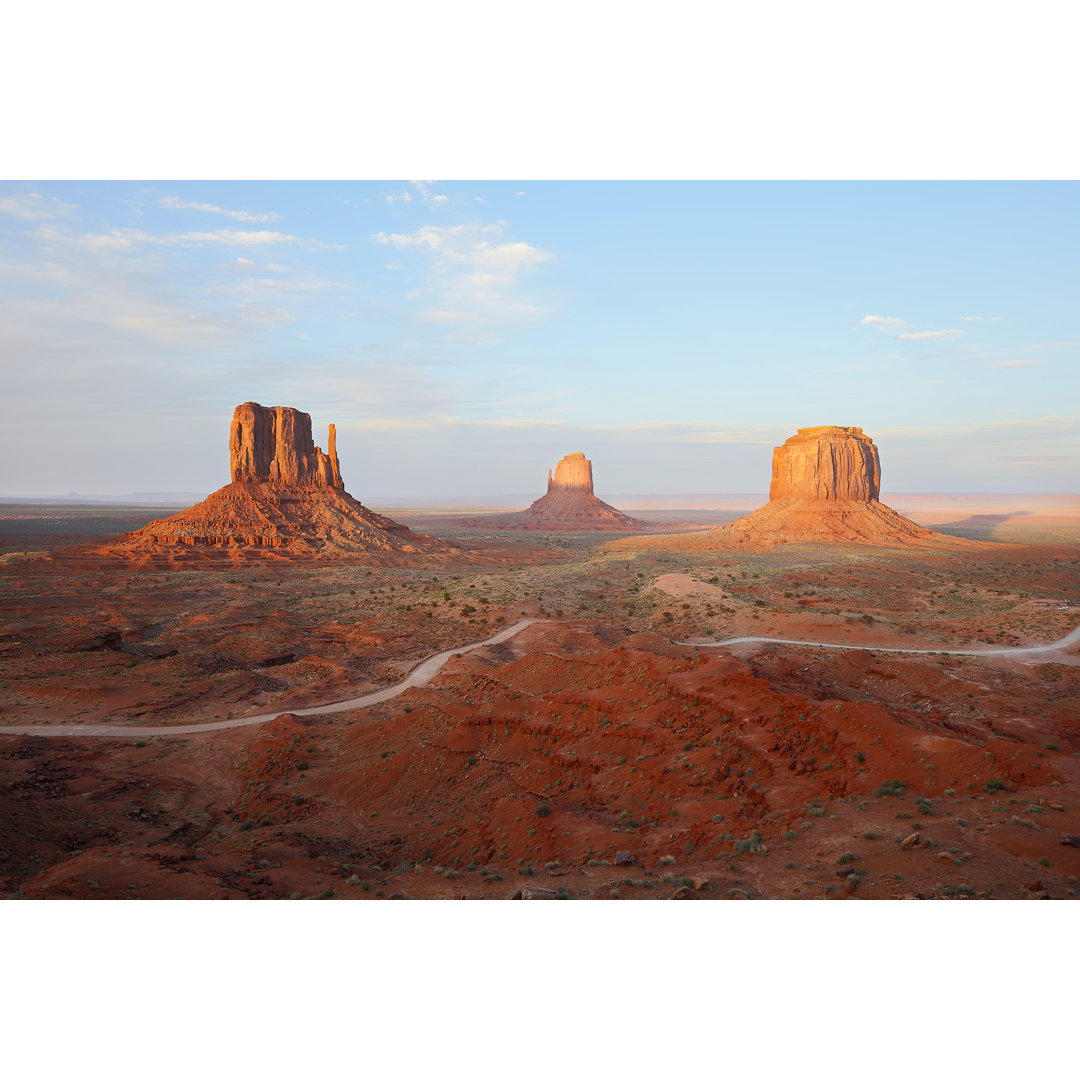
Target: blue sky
{"points": [[465, 335]]}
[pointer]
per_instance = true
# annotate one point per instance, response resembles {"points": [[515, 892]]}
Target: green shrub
{"points": [[893, 787]]}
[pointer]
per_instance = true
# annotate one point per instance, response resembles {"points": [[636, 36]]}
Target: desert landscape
{"points": [[279, 693]]}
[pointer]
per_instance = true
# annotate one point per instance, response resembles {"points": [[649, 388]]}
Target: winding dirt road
{"points": [[1069, 639], [420, 675]]}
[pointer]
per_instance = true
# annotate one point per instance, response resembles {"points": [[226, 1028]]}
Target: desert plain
{"points": [[604, 748]]}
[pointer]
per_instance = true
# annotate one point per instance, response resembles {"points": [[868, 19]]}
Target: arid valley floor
{"points": [[590, 755]]}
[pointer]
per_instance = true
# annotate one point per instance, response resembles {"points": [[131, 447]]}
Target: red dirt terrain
{"points": [[591, 756], [587, 760]]}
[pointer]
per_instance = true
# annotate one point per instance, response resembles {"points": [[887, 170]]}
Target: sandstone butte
{"points": [[824, 489], [285, 493], [568, 506]]}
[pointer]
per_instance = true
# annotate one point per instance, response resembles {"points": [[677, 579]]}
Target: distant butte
{"points": [[824, 489], [568, 506], [285, 494]]}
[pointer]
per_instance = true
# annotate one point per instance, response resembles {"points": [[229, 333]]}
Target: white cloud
{"points": [[519, 192], [403, 196], [128, 239], [473, 276], [882, 322], [33, 206], [438, 200], [171, 202], [1018, 363], [931, 335]]}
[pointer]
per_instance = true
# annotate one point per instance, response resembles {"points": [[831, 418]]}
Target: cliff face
{"points": [[829, 463], [275, 446], [573, 473]]}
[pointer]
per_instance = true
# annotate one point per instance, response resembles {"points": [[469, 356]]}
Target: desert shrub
{"points": [[994, 784], [892, 787], [750, 845], [543, 810], [847, 857]]}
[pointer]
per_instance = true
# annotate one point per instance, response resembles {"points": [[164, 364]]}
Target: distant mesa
{"points": [[285, 493], [568, 506], [824, 489]]}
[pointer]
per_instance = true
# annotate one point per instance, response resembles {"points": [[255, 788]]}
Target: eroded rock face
{"points": [[573, 473], [829, 463], [825, 486], [285, 494], [275, 446]]}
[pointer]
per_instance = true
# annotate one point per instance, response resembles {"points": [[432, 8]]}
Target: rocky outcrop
{"points": [[568, 506], [275, 446], [829, 463], [573, 473], [825, 487], [286, 495]]}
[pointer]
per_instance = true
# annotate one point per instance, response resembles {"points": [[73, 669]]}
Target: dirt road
{"points": [[420, 675]]}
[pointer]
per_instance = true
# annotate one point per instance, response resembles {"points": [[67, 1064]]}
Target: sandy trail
{"points": [[1069, 639], [420, 675]]}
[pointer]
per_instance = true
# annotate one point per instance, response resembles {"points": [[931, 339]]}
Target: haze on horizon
{"points": [[464, 336]]}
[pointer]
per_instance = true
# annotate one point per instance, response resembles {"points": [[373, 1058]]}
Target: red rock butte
{"points": [[285, 494], [568, 506], [275, 446], [825, 487]]}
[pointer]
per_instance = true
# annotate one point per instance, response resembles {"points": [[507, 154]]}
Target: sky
{"points": [[463, 336]]}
